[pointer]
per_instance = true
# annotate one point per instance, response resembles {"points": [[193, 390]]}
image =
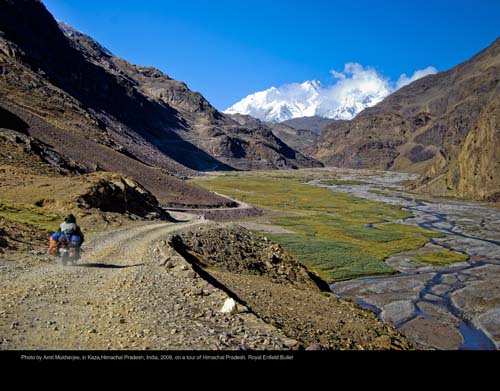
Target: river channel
{"points": [[451, 306]]}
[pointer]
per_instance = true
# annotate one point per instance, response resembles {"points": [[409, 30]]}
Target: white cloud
{"points": [[354, 89], [338, 75], [405, 80]]}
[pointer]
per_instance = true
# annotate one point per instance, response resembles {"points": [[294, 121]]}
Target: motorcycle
{"points": [[68, 251]]}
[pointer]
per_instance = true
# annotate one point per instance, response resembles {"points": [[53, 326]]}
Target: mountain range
{"points": [[307, 99], [354, 89], [76, 105], [67, 91], [444, 126]]}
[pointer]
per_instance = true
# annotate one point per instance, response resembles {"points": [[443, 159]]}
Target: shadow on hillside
{"points": [[9, 120], [107, 265]]}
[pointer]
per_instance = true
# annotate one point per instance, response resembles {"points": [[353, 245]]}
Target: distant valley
{"points": [[69, 87], [444, 126]]}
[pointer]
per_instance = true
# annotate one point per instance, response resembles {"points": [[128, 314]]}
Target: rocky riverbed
{"points": [[446, 306]]}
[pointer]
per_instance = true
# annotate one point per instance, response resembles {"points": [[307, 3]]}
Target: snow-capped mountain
{"points": [[306, 100], [280, 104], [351, 104], [355, 89]]}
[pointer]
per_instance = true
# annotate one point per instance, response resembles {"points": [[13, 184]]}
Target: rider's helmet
{"points": [[70, 219]]}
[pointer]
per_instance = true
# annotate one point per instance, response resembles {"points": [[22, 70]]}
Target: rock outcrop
{"points": [[235, 249], [119, 194]]}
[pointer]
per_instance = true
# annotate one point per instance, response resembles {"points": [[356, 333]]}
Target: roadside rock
{"points": [[235, 249], [229, 307], [169, 264]]}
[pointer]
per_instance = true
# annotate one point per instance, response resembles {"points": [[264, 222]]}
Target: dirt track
{"points": [[118, 297], [239, 210]]}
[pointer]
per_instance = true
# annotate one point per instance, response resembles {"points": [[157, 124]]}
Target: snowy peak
{"points": [[352, 104], [280, 104], [307, 99], [354, 89]]}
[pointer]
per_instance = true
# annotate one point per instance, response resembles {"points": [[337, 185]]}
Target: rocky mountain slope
{"points": [[472, 169], [67, 91], [314, 124], [437, 125], [300, 139], [478, 162], [253, 146]]}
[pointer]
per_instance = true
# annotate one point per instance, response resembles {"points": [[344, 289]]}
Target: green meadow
{"points": [[30, 215], [339, 236], [439, 257]]}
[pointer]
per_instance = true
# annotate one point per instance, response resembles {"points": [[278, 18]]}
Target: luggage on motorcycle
{"points": [[52, 246], [68, 228]]}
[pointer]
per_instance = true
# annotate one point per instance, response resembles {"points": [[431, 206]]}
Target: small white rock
{"points": [[229, 306]]}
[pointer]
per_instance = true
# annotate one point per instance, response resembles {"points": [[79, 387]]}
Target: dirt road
{"points": [[119, 297]]}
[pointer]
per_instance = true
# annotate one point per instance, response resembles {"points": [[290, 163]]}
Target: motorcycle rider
{"points": [[69, 228]]}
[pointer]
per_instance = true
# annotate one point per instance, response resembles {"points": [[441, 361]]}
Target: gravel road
{"points": [[119, 297]]}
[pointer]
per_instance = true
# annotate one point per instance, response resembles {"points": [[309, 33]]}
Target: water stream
{"points": [[430, 293]]}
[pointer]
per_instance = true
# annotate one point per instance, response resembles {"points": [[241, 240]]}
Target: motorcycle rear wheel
{"points": [[64, 260]]}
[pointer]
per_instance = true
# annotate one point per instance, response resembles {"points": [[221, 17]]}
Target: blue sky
{"points": [[229, 49]]}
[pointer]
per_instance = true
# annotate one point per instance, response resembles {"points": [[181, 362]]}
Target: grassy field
{"points": [[340, 182], [30, 215], [441, 257], [337, 235]]}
